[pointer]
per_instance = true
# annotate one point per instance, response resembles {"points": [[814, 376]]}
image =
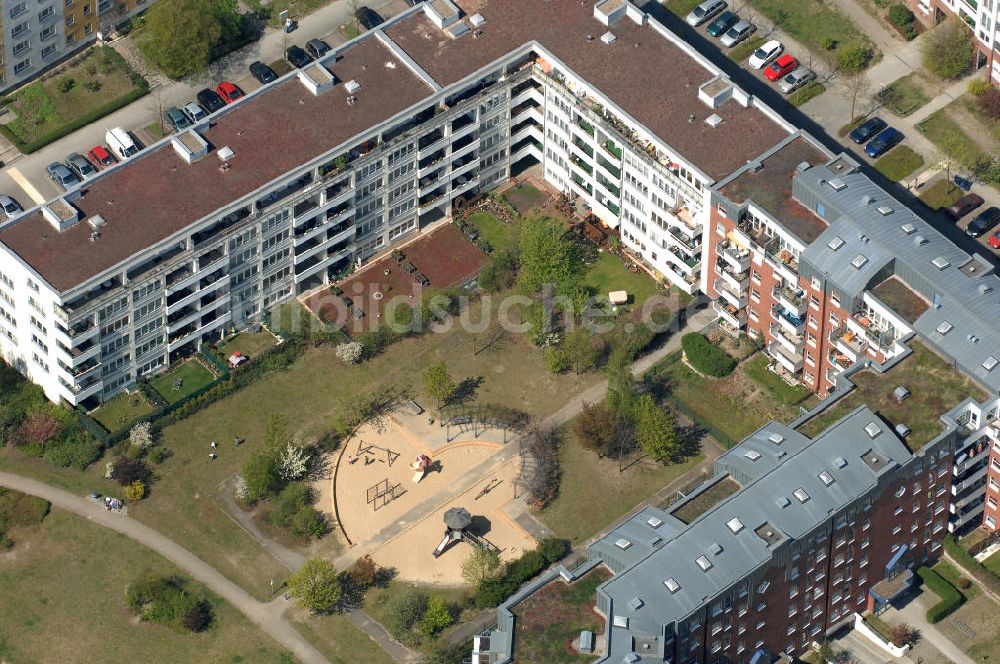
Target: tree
{"points": [[556, 359], [484, 563], [989, 102], [598, 428], [947, 50], [127, 470], [179, 36], [548, 255], [38, 428], [439, 384], [262, 476], [500, 273], [436, 617], [621, 384], [293, 461], [316, 586], [349, 352], [902, 634], [227, 13], [852, 58], [135, 491], [141, 436], [579, 348], [655, 430], [859, 86], [404, 611]]}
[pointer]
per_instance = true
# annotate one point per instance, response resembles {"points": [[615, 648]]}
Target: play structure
{"points": [[457, 521], [372, 453], [422, 464], [382, 493]]}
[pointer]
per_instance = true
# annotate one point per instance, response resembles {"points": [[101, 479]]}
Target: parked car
{"points": [[867, 129], [10, 207], [704, 11], [780, 67], [80, 166], [725, 20], [263, 73], [121, 143], [765, 53], [994, 240], [964, 206], [194, 112], [100, 157], [228, 91], [737, 33], [210, 101], [368, 18], [885, 141], [177, 118], [984, 222], [61, 175], [796, 80], [297, 57], [317, 48]]}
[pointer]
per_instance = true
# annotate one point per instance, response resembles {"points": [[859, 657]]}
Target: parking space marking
{"points": [[26, 185]]}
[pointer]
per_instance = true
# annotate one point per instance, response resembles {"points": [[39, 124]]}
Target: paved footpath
{"points": [[266, 616], [915, 613]]}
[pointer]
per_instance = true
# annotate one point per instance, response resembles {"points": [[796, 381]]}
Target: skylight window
{"points": [[945, 327], [940, 262], [908, 228], [990, 363], [654, 522], [837, 184], [826, 478], [753, 455], [735, 525], [623, 544], [859, 261], [836, 243], [873, 430], [801, 495], [672, 585], [884, 210], [776, 438], [704, 563]]}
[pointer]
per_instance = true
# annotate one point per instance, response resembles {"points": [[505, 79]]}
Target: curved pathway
{"points": [[266, 616]]}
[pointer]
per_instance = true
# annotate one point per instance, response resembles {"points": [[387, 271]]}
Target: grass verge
{"points": [[815, 24], [944, 132], [743, 51], [681, 7], [904, 95], [803, 95], [898, 163], [940, 195]]}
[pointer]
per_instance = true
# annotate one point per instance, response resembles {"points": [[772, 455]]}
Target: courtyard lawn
{"points": [[935, 387], [525, 198], [904, 95], [993, 563], [250, 344], [593, 493], [500, 235], [950, 138], [756, 369], [192, 374], [898, 163], [951, 574], [549, 619], [64, 601], [814, 24], [79, 94], [124, 408], [609, 273], [807, 93], [940, 195], [339, 640]]}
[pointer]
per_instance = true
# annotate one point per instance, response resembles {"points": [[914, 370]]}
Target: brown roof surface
{"points": [[158, 194], [898, 296], [655, 82], [771, 188]]}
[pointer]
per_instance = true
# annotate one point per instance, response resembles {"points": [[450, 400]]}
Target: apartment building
{"points": [[981, 17], [206, 230], [816, 530], [37, 34]]}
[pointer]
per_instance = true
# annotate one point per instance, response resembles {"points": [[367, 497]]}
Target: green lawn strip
{"points": [[121, 410], [65, 602], [814, 24], [802, 95], [880, 626], [940, 195], [337, 638], [681, 7], [756, 369], [951, 139], [950, 573], [193, 376], [904, 95], [898, 163], [281, 67], [608, 273], [157, 129], [743, 51], [993, 563], [593, 493], [951, 599], [250, 344], [850, 126], [499, 234]]}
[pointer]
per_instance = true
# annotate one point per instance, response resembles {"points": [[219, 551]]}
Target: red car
{"points": [[780, 67], [995, 240], [228, 92], [100, 157]]}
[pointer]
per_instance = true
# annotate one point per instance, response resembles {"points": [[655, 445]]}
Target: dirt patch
{"points": [[975, 127]]}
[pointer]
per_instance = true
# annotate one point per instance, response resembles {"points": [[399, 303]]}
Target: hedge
{"points": [[70, 127], [705, 356], [951, 599], [491, 592], [973, 567]]}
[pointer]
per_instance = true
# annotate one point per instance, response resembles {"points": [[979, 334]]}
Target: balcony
{"points": [[582, 145], [585, 126], [790, 342], [726, 292], [849, 342], [882, 337], [691, 244], [790, 321], [792, 300], [838, 361], [580, 182], [969, 481], [737, 280], [614, 190], [737, 258], [791, 361], [693, 262], [614, 171], [582, 165], [612, 149], [730, 314]]}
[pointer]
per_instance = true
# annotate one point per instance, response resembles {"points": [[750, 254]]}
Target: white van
{"points": [[121, 143]]}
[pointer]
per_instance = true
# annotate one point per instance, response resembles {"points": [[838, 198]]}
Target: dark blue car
{"points": [[867, 129], [883, 142]]}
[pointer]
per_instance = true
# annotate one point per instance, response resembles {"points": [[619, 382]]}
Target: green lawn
{"points": [[192, 374], [64, 601], [250, 344], [810, 91], [951, 575], [77, 93], [681, 7], [944, 132], [940, 195], [339, 640], [608, 273], [934, 385], [593, 494], [993, 563], [904, 95], [814, 23], [121, 410], [500, 235], [524, 198], [756, 369], [744, 50], [296, 8], [898, 163]]}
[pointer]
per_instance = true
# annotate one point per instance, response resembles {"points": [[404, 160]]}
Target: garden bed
{"points": [[192, 374]]}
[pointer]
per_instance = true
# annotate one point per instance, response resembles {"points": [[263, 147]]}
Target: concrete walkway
{"points": [[915, 614], [266, 616]]}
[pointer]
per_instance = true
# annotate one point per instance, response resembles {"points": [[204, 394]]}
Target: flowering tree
{"points": [[109, 470], [349, 352], [293, 461], [141, 435], [38, 428]]}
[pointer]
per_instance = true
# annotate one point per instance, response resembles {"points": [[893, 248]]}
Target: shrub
{"points": [[902, 634], [978, 86], [705, 356], [829, 43], [363, 572], [556, 360], [900, 16], [493, 591], [198, 617], [404, 611], [500, 273], [553, 549], [165, 600], [951, 599], [293, 510], [128, 471], [66, 84], [135, 491], [989, 103], [38, 428], [436, 617], [964, 583], [159, 454], [852, 58], [947, 51], [262, 476]]}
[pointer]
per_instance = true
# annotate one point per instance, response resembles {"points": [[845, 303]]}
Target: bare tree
{"points": [[858, 86], [540, 463]]}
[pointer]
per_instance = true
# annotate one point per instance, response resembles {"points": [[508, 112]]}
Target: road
{"points": [[24, 176]]}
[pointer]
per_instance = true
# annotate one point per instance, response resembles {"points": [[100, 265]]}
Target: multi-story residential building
{"points": [[981, 17], [37, 34], [816, 530], [205, 230]]}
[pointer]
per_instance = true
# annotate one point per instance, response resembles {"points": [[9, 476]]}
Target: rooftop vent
{"points": [[836, 243], [317, 79], [867, 200], [908, 228], [715, 549], [803, 167], [60, 213], [96, 221], [826, 478], [985, 289], [973, 338], [776, 438], [608, 38], [623, 544], [940, 262], [672, 585], [859, 261], [902, 430], [801, 495], [990, 363], [441, 12], [654, 522], [919, 240], [189, 145], [225, 153], [477, 20], [840, 462], [873, 429], [635, 603], [714, 120], [753, 455], [884, 210], [352, 86], [653, 541], [945, 327], [620, 621], [837, 184], [783, 502], [756, 166], [900, 394], [704, 563], [735, 525]]}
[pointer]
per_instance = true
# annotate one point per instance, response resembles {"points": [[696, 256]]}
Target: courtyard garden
{"points": [[248, 344], [76, 94], [124, 408], [182, 380], [905, 95]]}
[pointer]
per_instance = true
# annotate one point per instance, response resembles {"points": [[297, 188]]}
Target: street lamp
{"points": [[283, 21]]}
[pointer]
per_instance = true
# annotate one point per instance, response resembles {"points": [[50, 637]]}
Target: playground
{"points": [[394, 480]]}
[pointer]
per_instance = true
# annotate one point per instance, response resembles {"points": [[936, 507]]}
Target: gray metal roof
{"points": [[963, 289], [795, 488]]}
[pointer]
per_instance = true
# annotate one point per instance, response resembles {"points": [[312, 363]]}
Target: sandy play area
{"points": [[382, 510]]}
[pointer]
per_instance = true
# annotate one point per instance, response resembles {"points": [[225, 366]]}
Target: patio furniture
{"points": [[177, 383], [409, 267], [618, 297]]}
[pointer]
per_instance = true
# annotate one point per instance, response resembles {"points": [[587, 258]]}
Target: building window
{"points": [[46, 13], [21, 66], [49, 50], [18, 9]]}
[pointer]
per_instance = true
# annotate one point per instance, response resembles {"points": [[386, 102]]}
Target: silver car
{"points": [[9, 207], [194, 112], [704, 11], [80, 166], [737, 33], [796, 80]]}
